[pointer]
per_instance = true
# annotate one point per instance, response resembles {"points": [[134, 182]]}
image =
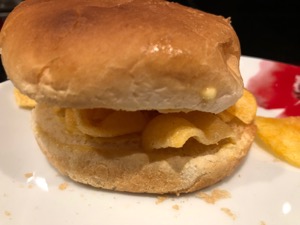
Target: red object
{"points": [[277, 86]]}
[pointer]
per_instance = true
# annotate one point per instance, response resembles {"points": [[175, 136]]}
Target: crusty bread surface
{"points": [[122, 54], [121, 164]]}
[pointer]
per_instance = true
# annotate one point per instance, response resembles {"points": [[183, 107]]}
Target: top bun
{"points": [[122, 54]]}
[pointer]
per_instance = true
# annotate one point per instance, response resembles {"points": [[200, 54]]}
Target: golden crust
{"points": [[122, 165], [130, 55]]}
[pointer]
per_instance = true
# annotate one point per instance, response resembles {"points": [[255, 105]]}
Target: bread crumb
{"points": [[63, 186], [229, 213], [214, 196], [262, 223], [176, 207], [160, 199], [28, 175], [30, 186], [7, 213]]}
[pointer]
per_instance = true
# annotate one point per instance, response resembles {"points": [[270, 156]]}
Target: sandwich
{"points": [[131, 95]]}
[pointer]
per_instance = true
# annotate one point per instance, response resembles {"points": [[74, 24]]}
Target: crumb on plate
{"points": [[176, 207], [229, 213], [160, 199], [214, 196], [28, 175], [7, 213], [63, 186]]}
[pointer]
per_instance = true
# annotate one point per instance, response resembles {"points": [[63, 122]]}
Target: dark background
{"points": [[266, 29]]}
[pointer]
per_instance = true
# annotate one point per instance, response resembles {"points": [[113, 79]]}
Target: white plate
{"points": [[264, 191]]}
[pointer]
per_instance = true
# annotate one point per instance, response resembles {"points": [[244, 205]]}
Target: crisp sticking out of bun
{"points": [[132, 95]]}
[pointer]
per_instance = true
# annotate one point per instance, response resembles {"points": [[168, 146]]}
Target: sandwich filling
{"points": [[158, 130]]}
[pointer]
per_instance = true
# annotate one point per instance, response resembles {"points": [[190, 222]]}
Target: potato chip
{"points": [[23, 100], [94, 116], [282, 137], [211, 125], [70, 120], [168, 131], [109, 123], [173, 130], [245, 108], [225, 116]]}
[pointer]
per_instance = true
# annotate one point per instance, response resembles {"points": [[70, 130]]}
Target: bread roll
{"points": [[129, 55]]}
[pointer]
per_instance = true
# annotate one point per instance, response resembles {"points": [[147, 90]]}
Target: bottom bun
{"points": [[121, 164]]}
